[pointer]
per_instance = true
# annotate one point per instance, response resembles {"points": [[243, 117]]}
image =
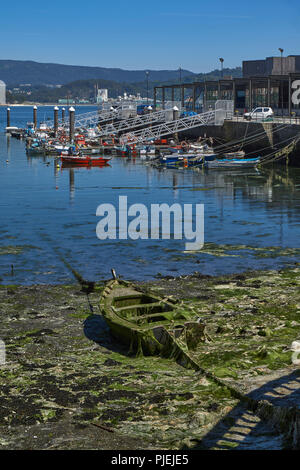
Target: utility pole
{"points": [[147, 77], [180, 89]]}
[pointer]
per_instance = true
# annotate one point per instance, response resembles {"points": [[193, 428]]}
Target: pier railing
{"points": [[94, 117], [172, 127], [138, 121]]}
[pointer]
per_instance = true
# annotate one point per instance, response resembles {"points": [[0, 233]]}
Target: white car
{"points": [[259, 113]]}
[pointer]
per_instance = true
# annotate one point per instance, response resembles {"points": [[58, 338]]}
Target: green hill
{"points": [[15, 72], [85, 89]]}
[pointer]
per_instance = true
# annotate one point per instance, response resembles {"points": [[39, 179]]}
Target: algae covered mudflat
{"points": [[67, 384]]}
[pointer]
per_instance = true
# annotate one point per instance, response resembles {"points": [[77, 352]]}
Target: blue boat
{"points": [[233, 163]]}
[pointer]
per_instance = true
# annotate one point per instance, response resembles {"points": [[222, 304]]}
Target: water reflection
{"points": [[8, 137], [72, 184], [255, 209]]}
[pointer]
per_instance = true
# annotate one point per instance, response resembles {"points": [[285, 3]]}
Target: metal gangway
{"points": [[138, 121], [94, 117], [172, 127]]}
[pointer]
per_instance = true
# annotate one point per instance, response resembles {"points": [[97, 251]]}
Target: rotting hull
{"points": [[146, 323]]}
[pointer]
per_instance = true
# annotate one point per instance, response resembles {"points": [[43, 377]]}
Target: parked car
{"points": [[259, 113]]}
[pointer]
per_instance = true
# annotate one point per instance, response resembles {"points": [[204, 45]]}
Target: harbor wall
{"points": [[261, 137]]}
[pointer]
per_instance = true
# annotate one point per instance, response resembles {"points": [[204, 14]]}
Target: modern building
{"points": [[271, 66], [102, 95], [273, 82], [2, 92], [281, 92]]}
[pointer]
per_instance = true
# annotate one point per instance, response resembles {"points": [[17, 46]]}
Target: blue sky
{"points": [[161, 34]]}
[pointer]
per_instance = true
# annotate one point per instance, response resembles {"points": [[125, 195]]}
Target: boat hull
{"points": [[233, 163], [84, 161], [146, 323]]}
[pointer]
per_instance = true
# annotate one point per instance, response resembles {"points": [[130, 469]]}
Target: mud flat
{"points": [[67, 384]]}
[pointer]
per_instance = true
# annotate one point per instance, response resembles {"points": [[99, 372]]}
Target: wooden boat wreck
{"points": [[149, 324]]}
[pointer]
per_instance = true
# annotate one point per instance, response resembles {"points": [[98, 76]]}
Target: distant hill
{"points": [[85, 89], [215, 75], [16, 72]]}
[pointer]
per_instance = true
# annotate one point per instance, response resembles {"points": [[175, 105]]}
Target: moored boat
{"points": [[233, 163], [177, 157], [84, 160], [235, 155]]}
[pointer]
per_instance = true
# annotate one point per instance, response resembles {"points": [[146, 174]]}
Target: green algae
{"points": [[15, 249], [224, 250], [66, 379]]}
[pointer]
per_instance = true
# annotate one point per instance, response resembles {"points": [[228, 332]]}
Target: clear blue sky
{"points": [[158, 34]]}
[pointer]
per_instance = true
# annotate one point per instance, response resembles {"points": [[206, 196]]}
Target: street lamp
{"points": [[281, 73], [180, 89], [147, 77], [221, 60], [281, 52]]}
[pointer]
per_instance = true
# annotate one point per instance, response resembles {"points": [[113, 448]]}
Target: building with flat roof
{"points": [[273, 82], [280, 92], [271, 66]]}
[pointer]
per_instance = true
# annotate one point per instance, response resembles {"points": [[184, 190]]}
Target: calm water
{"points": [[252, 219]]}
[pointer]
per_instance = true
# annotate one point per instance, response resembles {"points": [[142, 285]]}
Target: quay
{"points": [[111, 132]]}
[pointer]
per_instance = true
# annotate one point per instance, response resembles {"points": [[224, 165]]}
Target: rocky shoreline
{"points": [[67, 384]]}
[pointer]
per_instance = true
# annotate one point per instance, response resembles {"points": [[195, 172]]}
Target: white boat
{"points": [[146, 150], [201, 148], [237, 154]]}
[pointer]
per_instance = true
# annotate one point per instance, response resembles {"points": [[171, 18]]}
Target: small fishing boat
{"points": [[90, 150], [237, 154], [147, 323], [185, 160], [208, 157], [57, 149], [177, 157], [146, 150], [84, 160], [196, 155], [36, 150], [233, 163]]}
